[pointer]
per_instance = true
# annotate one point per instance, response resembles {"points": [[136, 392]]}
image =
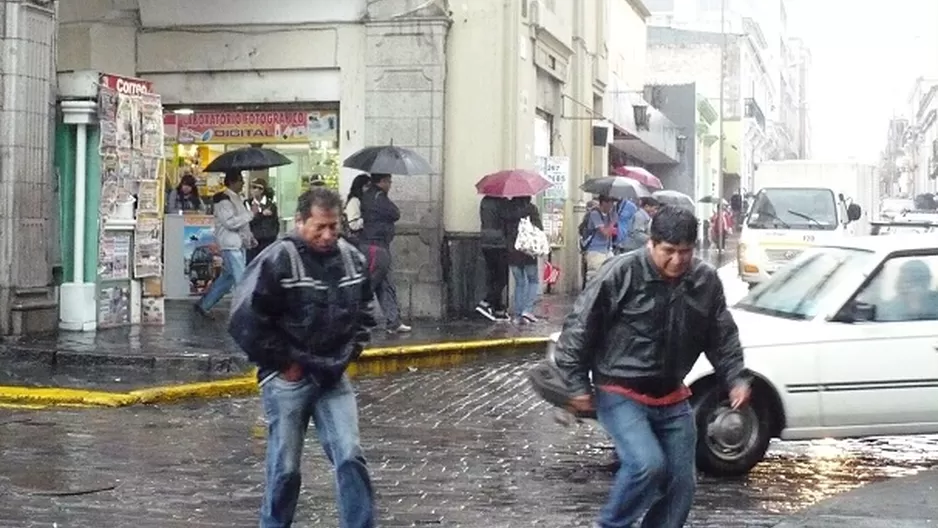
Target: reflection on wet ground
{"points": [[468, 446]]}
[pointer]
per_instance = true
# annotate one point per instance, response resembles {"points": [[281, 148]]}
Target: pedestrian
{"points": [[600, 235], [523, 267], [233, 236], [265, 225], [494, 245], [379, 216], [641, 223], [625, 212], [352, 214], [302, 315], [624, 350]]}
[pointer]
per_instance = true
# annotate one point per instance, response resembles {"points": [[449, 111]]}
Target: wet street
{"points": [[469, 446]]}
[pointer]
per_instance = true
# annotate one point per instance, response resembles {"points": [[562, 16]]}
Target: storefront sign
{"points": [[557, 170], [265, 127], [126, 85]]}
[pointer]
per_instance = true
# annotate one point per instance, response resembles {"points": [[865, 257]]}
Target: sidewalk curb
{"points": [[373, 361]]}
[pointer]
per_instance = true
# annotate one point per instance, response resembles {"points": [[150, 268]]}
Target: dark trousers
{"points": [[496, 276]]}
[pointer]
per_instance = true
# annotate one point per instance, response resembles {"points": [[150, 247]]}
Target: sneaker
{"points": [[199, 310], [485, 310], [529, 317], [519, 321], [501, 316], [401, 329]]}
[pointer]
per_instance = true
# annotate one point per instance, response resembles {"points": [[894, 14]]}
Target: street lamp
{"points": [[640, 113]]}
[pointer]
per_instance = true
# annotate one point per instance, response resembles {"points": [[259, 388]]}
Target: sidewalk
{"points": [[190, 348], [905, 502]]}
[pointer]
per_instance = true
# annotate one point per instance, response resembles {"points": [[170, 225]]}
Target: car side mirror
{"points": [[859, 312], [854, 212]]}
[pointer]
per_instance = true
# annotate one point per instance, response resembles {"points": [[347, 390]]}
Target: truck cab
{"points": [[784, 221]]}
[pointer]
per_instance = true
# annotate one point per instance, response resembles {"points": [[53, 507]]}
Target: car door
{"points": [[880, 376]]}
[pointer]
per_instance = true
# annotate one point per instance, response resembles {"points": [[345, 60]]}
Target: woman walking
{"points": [[523, 267], [353, 207]]}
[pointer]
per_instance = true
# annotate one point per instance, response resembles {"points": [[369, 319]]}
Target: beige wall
{"points": [[628, 38]]}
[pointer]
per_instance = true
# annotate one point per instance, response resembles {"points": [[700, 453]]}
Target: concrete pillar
{"points": [[27, 184]]}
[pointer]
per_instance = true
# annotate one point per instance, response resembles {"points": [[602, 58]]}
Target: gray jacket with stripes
{"points": [[295, 305]]}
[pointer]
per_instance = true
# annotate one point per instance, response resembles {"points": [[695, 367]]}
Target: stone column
{"points": [[405, 74], [27, 182]]}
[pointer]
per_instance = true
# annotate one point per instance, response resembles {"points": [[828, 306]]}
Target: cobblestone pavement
{"points": [[468, 446]]}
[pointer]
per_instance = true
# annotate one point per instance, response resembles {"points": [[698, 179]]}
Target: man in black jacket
{"points": [[495, 251], [302, 315], [638, 328]]}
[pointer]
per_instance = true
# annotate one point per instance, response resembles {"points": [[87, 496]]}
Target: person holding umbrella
{"points": [[600, 234], [233, 235], [497, 209]]}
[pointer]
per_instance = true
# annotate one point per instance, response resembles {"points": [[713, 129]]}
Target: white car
{"points": [[842, 342]]}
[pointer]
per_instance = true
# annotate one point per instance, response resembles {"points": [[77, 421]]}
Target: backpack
{"points": [[586, 237]]}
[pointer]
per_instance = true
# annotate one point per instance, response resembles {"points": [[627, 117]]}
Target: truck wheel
{"points": [[730, 442]]}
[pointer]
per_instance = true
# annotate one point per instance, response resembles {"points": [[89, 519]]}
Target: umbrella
{"points": [[711, 200], [613, 187], [511, 183], [388, 160], [677, 199], [640, 175], [248, 158]]}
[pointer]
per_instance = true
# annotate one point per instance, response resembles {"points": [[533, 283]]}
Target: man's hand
{"points": [[582, 404], [292, 373], [255, 208], [740, 394]]}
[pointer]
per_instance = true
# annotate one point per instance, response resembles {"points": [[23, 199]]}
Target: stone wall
{"points": [[404, 91]]}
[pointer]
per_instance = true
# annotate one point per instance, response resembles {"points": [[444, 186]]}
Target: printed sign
{"points": [[267, 127], [126, 85]]}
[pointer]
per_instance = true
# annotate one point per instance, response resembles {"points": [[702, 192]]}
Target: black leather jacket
{"points": [[631, 327]]}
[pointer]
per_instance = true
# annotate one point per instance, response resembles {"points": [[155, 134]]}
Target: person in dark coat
{"points": [[624, 350], [492, 212], [185, 197], [523, 267], [379, 214], [302, 314], [265, 225]]}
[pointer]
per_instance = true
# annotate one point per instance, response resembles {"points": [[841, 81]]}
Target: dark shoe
{"points": [[501, 316], [485, 310], [199, 310]]}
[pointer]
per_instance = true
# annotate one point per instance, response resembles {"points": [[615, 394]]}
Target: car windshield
{"points": [[796, 292], [794, 208]]}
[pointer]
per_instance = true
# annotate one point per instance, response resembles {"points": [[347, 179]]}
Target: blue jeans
{"points": [[657, 449], [232, 269], [527, 284], [288, 407]]}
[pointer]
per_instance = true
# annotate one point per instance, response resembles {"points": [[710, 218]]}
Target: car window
{"points": [[798, 290], [904, 289]]}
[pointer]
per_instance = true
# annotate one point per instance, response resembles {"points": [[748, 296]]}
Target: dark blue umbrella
{"points": [[246, 159], [388, 160]]}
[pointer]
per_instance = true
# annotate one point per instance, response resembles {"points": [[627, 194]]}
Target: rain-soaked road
{"points": [[468, 446]]}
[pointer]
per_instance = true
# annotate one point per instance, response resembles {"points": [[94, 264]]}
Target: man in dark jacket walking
{"points": [[379, 214], [639, 327], [302, 315], [495, 251]]}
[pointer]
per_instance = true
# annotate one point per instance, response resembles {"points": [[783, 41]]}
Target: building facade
{"points": [[475, 87], [677, 56], [919, 164], [28, 234]]}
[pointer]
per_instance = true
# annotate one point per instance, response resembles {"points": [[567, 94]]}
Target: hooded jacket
{"points": [[632, 327], [295, 305], [492, 228], [232, 221], [379, 214]]}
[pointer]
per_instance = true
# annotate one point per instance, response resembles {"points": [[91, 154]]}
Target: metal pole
{"points": [[720, 163]]}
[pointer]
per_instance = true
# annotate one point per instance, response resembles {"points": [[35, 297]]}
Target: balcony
{"points": [[754, 112]]}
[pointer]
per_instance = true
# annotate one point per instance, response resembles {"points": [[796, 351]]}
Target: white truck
{"points": [[801, 203]]}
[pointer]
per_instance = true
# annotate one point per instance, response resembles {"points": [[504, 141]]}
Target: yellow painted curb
{"points": [[373, 361]]}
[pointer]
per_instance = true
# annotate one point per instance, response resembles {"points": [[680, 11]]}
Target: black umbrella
{"points": [[246, 159], [675, 198], [388, 160], [615, 187]]}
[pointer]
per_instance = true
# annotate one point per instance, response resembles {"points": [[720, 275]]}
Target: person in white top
{"points": [[233, 236], [353, 206]]}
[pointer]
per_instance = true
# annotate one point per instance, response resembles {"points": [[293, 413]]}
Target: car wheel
{"points": [[730, 442]]}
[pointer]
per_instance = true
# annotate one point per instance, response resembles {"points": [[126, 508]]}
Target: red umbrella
{"points": [[640, 175], [512, 183]]}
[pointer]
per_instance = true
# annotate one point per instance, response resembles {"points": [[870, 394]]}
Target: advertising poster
{"points": [[202, 257], [153, 311], [256, 127]]}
